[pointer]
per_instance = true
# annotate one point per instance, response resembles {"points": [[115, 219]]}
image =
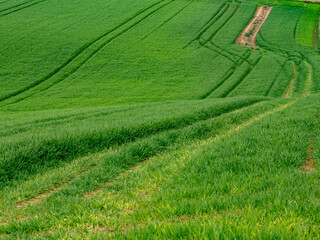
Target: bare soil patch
{"points": [[249, 34]]}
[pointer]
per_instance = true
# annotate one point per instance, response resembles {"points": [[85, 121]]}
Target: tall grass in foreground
{"points": [[37, 149]]}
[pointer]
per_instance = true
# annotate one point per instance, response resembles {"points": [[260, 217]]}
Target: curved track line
{"points": [[212, 20], [80, 172], [212, 37], [16, 8], [308, 83], [205, 142], [286, 95], [89, 51], [168, 20], [18, 5], [275, 79], [227, 77], [222, 53], [242, 79]]}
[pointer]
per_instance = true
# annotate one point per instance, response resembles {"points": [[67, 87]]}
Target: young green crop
{"points": [[144, 119]]}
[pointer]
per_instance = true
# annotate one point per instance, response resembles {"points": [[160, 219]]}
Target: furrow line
{"points": [[275, 79], [227, 20], [310, 164], [18, 5], [215, 18], [242, 79], [286, 95], [92, 48], [21, 8], [228, 75], [168, 20], [199, 144], [97, 158], [220, 52], [308, 84]]}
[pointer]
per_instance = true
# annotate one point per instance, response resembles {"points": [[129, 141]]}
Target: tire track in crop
{"points": [[286, 95], [220, 52], [309, 163], [36, 29], [225, 51], [15, 6], [308, 83], [99, 156], [168, 20], [229, 76], [37, 199], [315, 39], [230, 72], [19, 7], [275, 79], [233, 130], [228, 19], [214, 18], [86, 52], [296, 27], [234, 87], [282, 52]]}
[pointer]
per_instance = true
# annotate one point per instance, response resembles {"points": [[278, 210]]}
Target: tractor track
{"points": [[168, 20], [276, 77], [286, 95], [228, 19], [212, 21], [89, 50], [242, 79], [19, 7], [232, 130]]}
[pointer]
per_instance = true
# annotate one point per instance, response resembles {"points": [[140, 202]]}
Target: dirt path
{"points": [[249, 34]]}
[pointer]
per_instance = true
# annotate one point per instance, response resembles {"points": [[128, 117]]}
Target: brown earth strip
{"points": [[286, 95], [249, 34]]}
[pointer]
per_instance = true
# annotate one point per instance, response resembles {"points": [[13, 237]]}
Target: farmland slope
{"points": [[164, 118]]}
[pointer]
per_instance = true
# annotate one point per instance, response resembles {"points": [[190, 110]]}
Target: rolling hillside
{"points": [[170, 119]]}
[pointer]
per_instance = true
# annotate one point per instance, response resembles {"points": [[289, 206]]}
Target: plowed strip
{"points": [[249, 34]]}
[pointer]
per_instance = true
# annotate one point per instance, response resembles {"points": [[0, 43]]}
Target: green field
{"points": [[144, 120]]}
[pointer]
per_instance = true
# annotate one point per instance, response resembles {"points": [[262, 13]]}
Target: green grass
{"points": [[144, 120]]}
